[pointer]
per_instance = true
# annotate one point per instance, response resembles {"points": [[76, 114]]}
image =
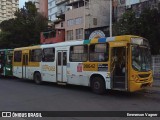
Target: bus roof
{"points": [[78, 42]]}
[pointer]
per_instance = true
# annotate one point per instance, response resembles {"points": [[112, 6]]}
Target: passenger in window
{"points": [[101, 57]]}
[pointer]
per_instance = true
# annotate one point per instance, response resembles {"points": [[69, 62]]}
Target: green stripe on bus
{"points": [[86, 42]]}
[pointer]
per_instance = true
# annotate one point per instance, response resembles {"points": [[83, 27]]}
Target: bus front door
{"points": [[24, 66], [119, 68], [61, 66]]}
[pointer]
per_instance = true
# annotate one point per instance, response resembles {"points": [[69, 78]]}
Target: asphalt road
{"points": [[25, 95]]}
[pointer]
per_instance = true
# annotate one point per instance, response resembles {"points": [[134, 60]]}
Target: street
{"points": [[25, 95]]}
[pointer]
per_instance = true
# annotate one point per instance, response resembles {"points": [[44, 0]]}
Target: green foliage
{"points": [[24, 29], [147, 26]]}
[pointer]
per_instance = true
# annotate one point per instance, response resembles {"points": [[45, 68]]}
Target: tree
{"points": [[24, 29], [147, 26]]}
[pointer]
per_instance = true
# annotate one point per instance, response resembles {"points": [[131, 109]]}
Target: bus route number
{"points": [[89, 65]]}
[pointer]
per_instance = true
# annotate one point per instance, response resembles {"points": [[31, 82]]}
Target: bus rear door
{"points": [[24, 66], [119, 65], [61, 66]]}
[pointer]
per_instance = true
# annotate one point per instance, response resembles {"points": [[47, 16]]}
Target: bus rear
{"points": [[6, 62]]}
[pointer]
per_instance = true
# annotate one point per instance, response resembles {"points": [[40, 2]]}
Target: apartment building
{"points": [[42, 6], [87, 19], [60, 13], [52, 9], [7, 9]]}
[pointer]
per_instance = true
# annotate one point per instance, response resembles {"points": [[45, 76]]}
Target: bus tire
{"points": [[37, 78], [98, 85]]}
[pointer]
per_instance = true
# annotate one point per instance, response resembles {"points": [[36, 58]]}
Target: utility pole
{"points": [[110, 25], [84, 19]]}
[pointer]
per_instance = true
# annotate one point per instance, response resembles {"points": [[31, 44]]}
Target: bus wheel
{"points": [[37, 78], [98, 85]]}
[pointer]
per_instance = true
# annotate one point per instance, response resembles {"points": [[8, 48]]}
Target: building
{"points": [[56, 15], [7, 9], [81, 19], [60, 14], [52, 36], [121, 6], [52, 9], [42, 6], [87, 19]]}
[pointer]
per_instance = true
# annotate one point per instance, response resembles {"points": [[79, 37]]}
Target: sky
{"points": [[21, 3], [128, 2]]}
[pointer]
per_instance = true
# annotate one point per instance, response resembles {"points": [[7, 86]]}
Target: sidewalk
{"points": [[156, 85], [156, 82]]}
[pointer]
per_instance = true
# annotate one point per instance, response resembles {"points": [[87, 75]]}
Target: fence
{"points": [[156, 66]]}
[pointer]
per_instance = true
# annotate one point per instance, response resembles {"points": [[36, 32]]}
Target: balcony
{"points": [[3, 3], [3, 8], [60, 14], [60, 1], [70, 2]]}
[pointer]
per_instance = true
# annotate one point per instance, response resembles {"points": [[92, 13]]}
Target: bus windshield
{"points": [[141, 58]]}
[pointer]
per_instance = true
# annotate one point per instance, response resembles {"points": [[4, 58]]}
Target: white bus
{"points": [[88, 63]]}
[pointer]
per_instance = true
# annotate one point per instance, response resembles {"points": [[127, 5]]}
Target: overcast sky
{"points": [[128, 2], [21, 3]]}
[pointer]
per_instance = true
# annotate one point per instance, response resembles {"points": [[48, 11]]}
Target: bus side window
{"points": [[17, 56], [36, 55], [98, 52], [48, 55], [78, 53]]}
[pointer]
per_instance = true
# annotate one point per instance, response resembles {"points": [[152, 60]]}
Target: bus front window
{"points": [[141, 58]]}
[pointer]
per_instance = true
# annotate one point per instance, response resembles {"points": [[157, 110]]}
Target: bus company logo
{"points": [[20, 115], [6, 114], [48, 68]]}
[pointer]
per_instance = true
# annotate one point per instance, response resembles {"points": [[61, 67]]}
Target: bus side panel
{"points": [[99, 69], [32, 68], [76, 75], [48, 70], [17, 70]]}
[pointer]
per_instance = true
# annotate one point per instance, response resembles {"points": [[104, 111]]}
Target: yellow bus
{"points": [[117, 63]]}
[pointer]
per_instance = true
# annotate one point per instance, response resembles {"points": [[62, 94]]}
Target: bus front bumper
{"points": [[134, 86]]}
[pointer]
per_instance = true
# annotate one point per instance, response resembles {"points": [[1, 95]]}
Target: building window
{"points": [[48, 54], [78, 21], [98, 52], [79, 33], [50, 10], [79, 53], [94, 21], [70, 22], [50, 4], [75, 21], [62, 24], [36, 55], [70, 35]]}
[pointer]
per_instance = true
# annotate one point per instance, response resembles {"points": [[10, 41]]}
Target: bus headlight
{"points": [[8, 69]]}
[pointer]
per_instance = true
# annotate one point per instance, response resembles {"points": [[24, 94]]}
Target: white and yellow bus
{"points": [[117, 63]]}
